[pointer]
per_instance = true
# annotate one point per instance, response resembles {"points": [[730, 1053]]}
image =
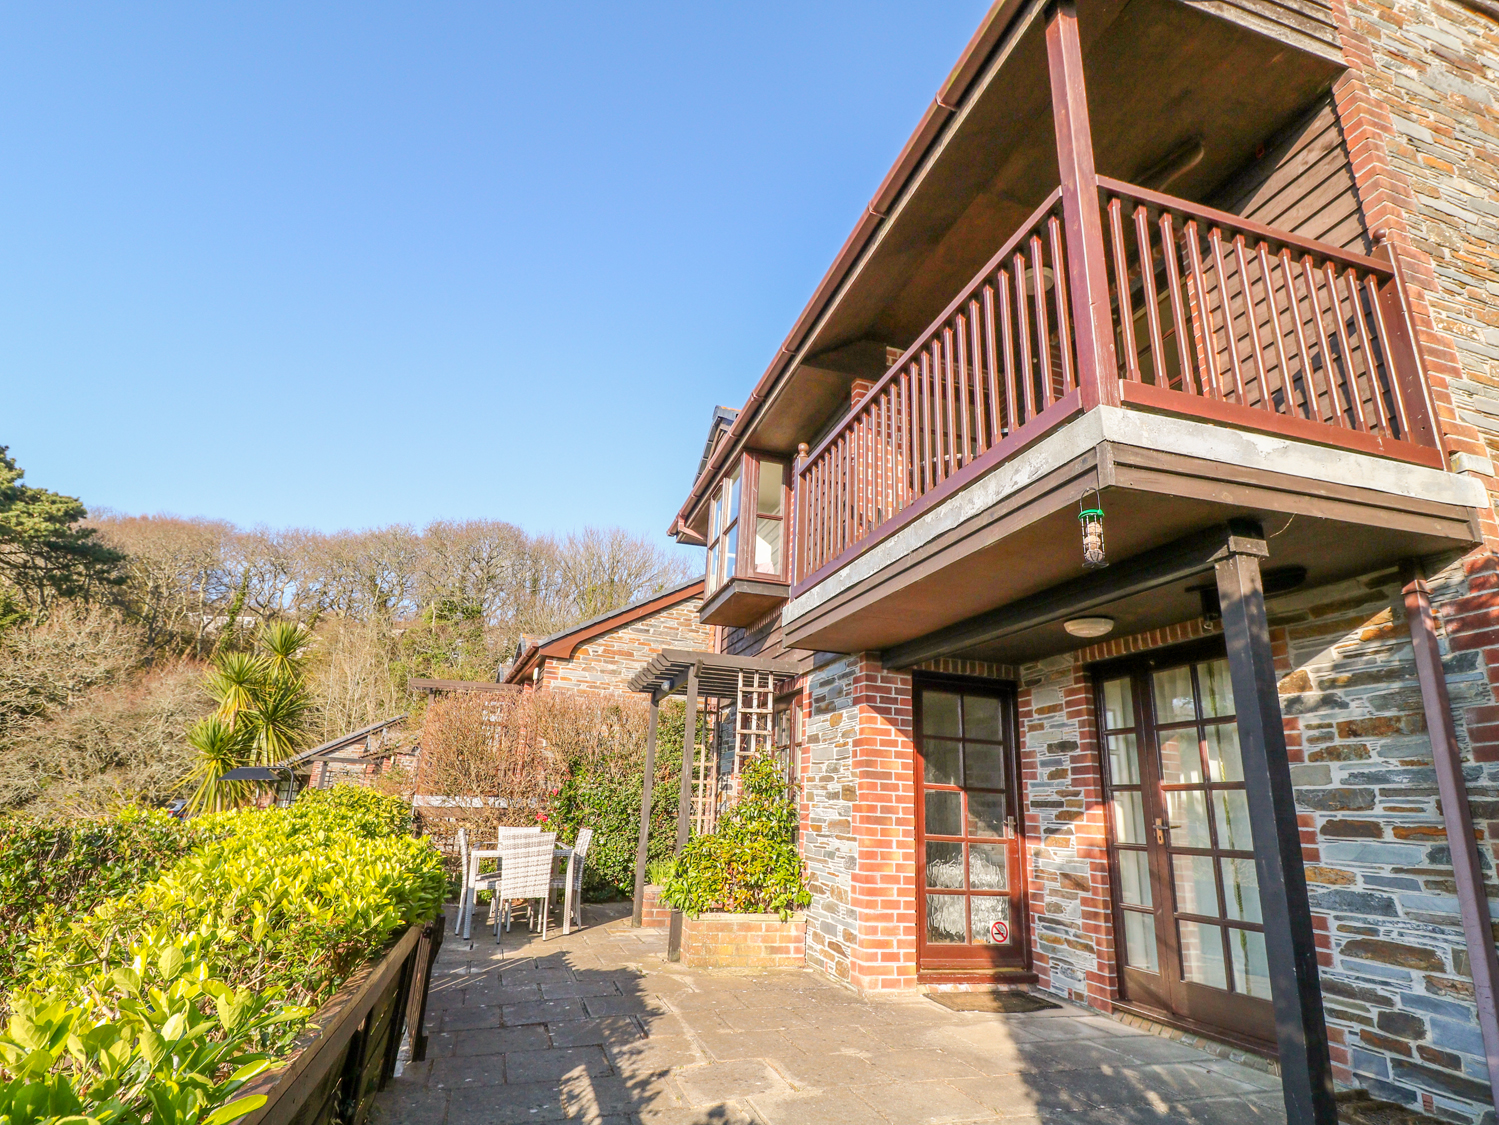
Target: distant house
{"points": [[602, 654]]}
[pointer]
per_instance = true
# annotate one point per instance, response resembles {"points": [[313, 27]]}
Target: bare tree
{"points": [[604, 570], [176, 574]]}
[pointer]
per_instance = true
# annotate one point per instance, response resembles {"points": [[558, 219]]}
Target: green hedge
{"points": [[160, 1003], [47, 870]]}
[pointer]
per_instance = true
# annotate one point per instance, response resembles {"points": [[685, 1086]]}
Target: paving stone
{"points": [[825, 1107], [398, 1104], [1158, 1049], [583, 1033], [496, 1041], [597, 1006], [510, 1104], [510, 978], [826, 1069], [714, 1082], [1086, 1054], [658, 1054], [724, 1113], [542, 1011], [459, 1074], [727, 1045], [588, 1096], [553, 1063], [1122, 1086], [470, 1018], [576, 988], [920, 1103]]}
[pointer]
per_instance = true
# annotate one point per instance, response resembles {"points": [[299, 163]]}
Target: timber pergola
{"points": [[714, 675]]}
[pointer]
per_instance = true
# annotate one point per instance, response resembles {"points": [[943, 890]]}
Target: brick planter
{"points": [[744, 941], [654, 914]]}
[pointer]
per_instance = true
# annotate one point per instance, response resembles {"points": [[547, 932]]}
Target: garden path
{"points": [[599, 1027]]}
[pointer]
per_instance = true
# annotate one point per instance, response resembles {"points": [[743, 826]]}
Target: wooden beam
{"points": [[1087, 268], [1290, 942], [1472, 899], [1179, 559], [642, 846], [684, 803]]}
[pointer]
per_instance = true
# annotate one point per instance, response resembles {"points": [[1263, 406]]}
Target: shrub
{"points": [[167, 998], [49, 870], [749, 863]]}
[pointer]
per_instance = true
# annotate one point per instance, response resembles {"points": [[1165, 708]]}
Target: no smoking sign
{"points": [[999, 932]]}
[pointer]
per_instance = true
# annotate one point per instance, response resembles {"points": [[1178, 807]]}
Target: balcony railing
{"points": [[1214, 317]]}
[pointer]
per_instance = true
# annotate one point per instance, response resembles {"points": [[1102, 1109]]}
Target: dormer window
{"points": [[723, 531], [747, 530]]}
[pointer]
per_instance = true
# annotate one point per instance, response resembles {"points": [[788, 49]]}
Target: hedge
{"points": [[162, 1002]]}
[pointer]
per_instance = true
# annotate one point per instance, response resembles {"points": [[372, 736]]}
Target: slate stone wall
{"points": [[605, 663], [829, 790]]}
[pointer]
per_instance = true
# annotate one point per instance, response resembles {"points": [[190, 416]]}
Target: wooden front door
{"points": [[1188, 934], [968, 847]]}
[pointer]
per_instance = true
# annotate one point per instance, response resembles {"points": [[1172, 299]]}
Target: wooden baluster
{"points": [[1023, 330], [1371, 286], [949, 442], [1043, 330], [991, 363], [1329, 376], [1303, 356], [1148, 295], [1013, 402], [929, 481], [1207, 335], [1252, 322], [960, 361], [1287, 388], [980, 385], [1059, 291], [1174, 287], [1350, 373], [909, 481], [1215, 239], [1350, 278], [1121, 281]]}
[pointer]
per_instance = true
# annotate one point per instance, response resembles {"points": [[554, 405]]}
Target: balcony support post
{"points": [[1087, 267], [642, 845], [1290, 940], [684, 803]]}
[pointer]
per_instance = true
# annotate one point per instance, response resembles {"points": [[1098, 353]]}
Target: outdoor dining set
{"points": [[528, 862]]}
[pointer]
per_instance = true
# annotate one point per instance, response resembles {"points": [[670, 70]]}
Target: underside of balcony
{"points": [[1014, 533]]}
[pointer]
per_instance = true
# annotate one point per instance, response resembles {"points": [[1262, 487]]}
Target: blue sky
{"points": [[346, 265]]}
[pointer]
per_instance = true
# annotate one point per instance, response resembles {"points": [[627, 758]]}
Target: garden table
{"points": [[471, 884]]}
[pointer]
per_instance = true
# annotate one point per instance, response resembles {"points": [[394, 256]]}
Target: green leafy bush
{"points": [[606, 797], [749, 863], [49, 870], [182, 983]]}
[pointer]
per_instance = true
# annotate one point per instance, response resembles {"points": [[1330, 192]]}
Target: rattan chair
{"points": [[525, 873], [572, 897]]}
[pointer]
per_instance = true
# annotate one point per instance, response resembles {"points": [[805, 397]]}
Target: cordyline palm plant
{"points": [[262, 717]]}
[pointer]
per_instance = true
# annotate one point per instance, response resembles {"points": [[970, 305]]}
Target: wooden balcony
{"points": [[1212, 318]]}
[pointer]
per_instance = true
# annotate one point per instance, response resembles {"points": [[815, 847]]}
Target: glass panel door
{"points": [[970, 910], [1186, 901]]}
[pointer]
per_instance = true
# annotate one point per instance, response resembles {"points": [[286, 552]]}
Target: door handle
{"points": [[1161, 828]]}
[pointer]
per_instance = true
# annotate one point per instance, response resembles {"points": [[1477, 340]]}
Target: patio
{"points": [[599, 1027]]}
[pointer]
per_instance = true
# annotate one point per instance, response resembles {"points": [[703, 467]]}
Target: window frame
{"points": [[744, 522]]}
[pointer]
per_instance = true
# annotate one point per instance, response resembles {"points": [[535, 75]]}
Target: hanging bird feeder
{"points": [[1091, 521]]}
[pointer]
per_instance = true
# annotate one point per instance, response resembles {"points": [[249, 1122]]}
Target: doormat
{"points": [[1012, 1003]]}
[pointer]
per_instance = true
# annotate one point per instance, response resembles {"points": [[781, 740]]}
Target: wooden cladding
{"points": [[991, 368], [1214, 316], [1211, 306]]}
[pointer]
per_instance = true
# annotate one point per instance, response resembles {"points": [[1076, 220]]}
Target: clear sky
{"points": [[342, 265]]}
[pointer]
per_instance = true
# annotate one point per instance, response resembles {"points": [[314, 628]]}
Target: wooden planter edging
{"points": [[348, 1051], [744, 941]]}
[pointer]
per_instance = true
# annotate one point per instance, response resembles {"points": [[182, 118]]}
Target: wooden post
{"points": [[795, 565], [684, 803], [1300, 1030], [1472, 899], [1087, 268], [424, 957], [643, 845]]}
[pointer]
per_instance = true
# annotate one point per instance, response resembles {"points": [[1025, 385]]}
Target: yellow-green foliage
{"points": [[265, 922]]}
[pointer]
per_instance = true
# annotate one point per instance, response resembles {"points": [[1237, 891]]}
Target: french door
{"points": [[969, 886], [1188, 932]]}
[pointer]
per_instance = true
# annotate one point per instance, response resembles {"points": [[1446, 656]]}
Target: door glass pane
{"points": [[1181, 761], [1196, 888], [1134, 878], [986, 814], [985, 909], [1173, 695], [939, 713], [981, 718], [944, 864], [940, 762], [1231, 808], [768, 502], [1202, 954], [1224, 763], [1217, 690], [988, 868], [1251, 966], [1241, 890], [944, 919], [1118, 704], [1187, 813], [768, 546], [1139, 941], [1124, 759], [983, 766], [944, 813], [1129, 818], [731, 506]]}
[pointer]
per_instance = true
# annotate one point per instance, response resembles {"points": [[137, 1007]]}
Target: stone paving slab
{"points": [[598, 1027]]}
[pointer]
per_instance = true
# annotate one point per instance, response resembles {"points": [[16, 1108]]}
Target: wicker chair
{"points": [[559, 880], [525, 873]]}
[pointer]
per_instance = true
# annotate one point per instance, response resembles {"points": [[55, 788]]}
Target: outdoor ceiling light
{"points": [[1089, 626]]}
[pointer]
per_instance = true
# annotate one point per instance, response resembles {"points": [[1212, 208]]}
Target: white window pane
{"points": [[1241, 890], [986, 910], [988, 867], [1139, 941], [770, 492], [768, 546], [1181, 760], [981, 718], [945, 919], [940, 761], [1129, 818], [944, 812], [1251, 966], [1216, 688], [986, 814], [1202, 954], [1124, 760], [1231, 810], [1134, 878], [1173, 695], [1196, 887], [1224, 760], [730, 543], [1187, 813], [1118, 704], [944, 864], [939, 713]]}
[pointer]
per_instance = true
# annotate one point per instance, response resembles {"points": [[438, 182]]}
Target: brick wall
{"points": [[606, 662], [744, 941]]}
